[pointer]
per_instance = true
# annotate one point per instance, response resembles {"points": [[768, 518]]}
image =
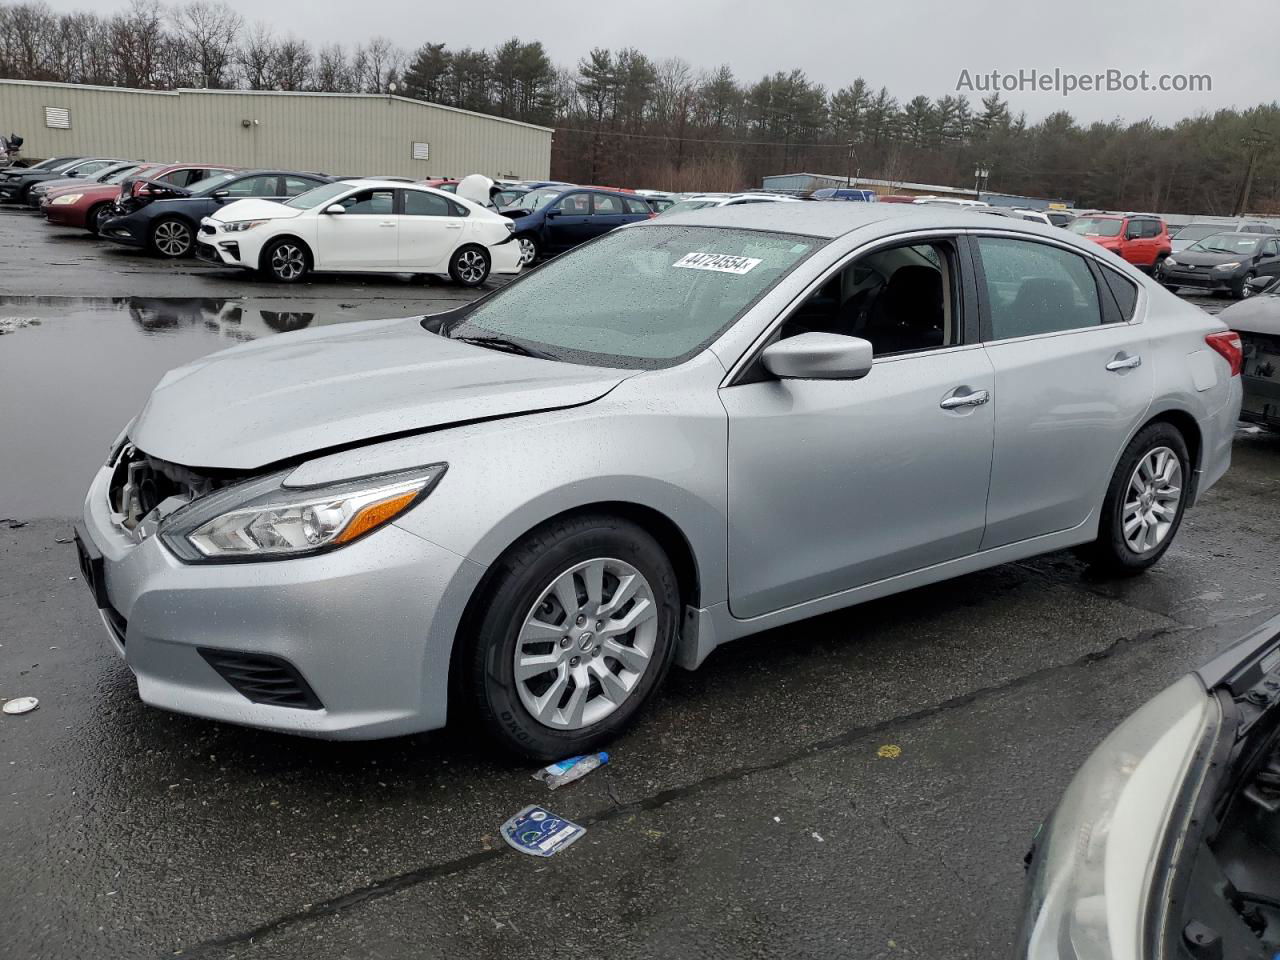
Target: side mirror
{"points": [[552, 213], [1258, 284], [818, 356], [335, 208]]}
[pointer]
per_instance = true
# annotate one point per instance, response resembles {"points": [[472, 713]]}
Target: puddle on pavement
{"points": [[70, 382]]}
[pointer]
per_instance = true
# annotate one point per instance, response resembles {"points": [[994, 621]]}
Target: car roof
{"points": [[831, 220]]}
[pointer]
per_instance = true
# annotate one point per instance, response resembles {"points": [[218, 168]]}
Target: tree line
{"points": [[624, 118]]}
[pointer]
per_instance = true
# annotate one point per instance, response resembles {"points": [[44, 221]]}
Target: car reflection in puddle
{"points": [[79, 368], [228, 317]]}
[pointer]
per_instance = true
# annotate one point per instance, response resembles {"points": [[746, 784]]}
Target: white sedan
{"points": [[362, 226]]}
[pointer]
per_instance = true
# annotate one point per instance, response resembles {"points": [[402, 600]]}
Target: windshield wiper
{"points": [[506, 346]]}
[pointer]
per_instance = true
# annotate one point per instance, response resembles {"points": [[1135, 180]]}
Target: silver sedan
{"points": [[689, 430]]}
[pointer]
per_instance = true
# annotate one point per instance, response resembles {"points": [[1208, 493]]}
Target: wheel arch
{"points": [[1187, 425], [675, 544], [306, 249]]}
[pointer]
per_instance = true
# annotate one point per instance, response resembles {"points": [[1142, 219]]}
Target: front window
{"points": [[319, 197], [1095, 227], [120, 175], [640, 297], [1230, 243]]}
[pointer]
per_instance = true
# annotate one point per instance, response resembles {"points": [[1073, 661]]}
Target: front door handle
{"points": [[1125, 363], [387, 223], [975, 399]]}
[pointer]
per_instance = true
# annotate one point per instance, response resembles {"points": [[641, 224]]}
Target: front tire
{"points": [[172, 238], [1240, 289], [529, 251], [286, 261], [1145, 502], [575, 631], [469, 266], [97, 218]]}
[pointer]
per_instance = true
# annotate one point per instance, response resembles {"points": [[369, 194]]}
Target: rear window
{"points": [[1095, 227]]}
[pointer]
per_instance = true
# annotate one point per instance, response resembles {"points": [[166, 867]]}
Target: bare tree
{"points": [[137, 41], [291, 68], [208, 31], [256, 56], [333, 71], [376, 65], [29, 41]]}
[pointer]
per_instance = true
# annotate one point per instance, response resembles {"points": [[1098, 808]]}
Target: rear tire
{"points": [[469, 266], [542, 715], [1144, 504], [172, 238]]}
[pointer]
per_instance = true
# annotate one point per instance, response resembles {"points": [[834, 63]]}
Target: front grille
{"points": [[262, 678]]}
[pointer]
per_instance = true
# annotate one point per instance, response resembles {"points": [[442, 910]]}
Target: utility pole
{"points": [[1255, 142]]}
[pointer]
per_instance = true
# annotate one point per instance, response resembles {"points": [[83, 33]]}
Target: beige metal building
{"points": [[338, 133]]}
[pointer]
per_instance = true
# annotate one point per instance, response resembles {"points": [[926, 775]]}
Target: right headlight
{"points": [[1095, 865], [263, 519]]}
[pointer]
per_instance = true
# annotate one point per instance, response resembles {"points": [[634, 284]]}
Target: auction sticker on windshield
{"points": [[719, 262]]}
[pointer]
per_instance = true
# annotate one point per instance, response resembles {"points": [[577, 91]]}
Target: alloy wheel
{"points": [[288, 262], [586, 643], [471, 266], [101, 216], [1152, 500], [528, 251], [1247, 291], [173, 239]]}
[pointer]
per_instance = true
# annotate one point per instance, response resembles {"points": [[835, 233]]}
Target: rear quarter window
{"points": [[1124, 290]]}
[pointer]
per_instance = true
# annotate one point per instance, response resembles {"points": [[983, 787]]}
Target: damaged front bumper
{"points": [[349, 644]]}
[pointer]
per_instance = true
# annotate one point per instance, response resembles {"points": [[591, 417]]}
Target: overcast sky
{"points": [[910, 46]]}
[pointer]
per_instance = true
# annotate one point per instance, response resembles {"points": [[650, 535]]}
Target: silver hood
{"points": [[293, 394], [1260, 314]]}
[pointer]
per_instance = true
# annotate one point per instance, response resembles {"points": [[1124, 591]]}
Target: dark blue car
{"points": [[165, 218], [552, 220]]}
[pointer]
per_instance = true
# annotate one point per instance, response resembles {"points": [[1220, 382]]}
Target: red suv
{"points": [[1142, 240]]}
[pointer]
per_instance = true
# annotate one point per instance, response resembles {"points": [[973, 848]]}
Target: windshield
{"points": [[1231, 243], [119, 175], [210, 184], [1197, 231], [318, 197], [684, 206], [537, 199], [640, 297], [1095, 227]]}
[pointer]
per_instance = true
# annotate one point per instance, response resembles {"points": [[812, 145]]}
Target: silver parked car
{"points": [[692, 429]]}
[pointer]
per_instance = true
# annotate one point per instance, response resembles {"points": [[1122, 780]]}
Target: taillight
{"points": [[1228, 344]]}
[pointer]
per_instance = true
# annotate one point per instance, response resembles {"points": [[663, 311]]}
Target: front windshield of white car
{"points": [[640, 297], [318, 197], [684, 206]]}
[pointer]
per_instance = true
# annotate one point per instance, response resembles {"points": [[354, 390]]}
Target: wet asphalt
{"points": [[749, 813]]}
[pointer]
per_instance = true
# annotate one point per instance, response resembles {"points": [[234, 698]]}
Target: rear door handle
{"points": [[1125, 363], [975, 399], [387, 223], [453, 226]]}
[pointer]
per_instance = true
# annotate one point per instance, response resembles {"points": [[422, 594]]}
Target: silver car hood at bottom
{"points": [[293, 394]]}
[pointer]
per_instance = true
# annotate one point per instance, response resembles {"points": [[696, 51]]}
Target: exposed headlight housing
{"points": [[263, 519], [1095, 866], [1228, 266], [1170, 262], [239, 226], [65, 198]]}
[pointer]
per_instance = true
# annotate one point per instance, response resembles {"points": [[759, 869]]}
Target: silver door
{"points": [[1069, 397], [835, 484]]}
